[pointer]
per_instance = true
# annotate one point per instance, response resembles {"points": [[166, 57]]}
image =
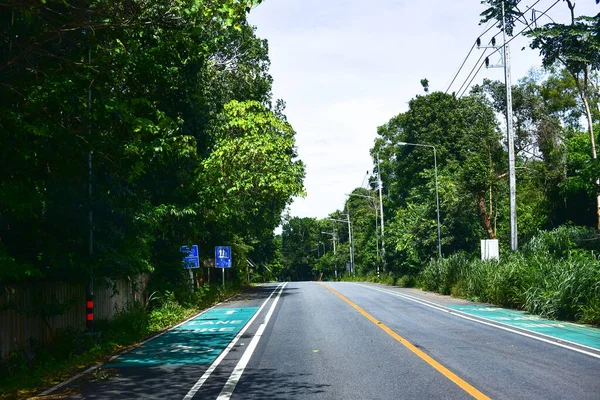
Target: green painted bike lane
{"points": [[579, 334], [198, 341]]}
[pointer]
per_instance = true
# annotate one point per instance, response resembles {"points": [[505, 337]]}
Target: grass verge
{"points": [[24, 374]]}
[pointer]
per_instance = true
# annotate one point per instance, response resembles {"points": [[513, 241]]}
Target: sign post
{"points": [[223, 258], [191, 260]]}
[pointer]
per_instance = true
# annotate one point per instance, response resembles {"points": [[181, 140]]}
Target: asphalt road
{"points": [[345, 341]]}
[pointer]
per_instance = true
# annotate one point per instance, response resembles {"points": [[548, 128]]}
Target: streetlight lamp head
{"points": [[402, 143]]}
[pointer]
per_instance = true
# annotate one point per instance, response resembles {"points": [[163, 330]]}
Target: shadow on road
{"points": [[173, 383], [262, 292], [263, 383]]}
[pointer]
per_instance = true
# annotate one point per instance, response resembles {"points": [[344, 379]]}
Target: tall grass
{"points": [[385, 278], [556, 275]]}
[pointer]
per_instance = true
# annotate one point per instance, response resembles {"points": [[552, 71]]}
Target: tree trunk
{"points": [[484, 217]]}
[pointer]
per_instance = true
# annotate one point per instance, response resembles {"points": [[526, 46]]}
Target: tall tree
{"points": [[169, 81], [576, 46]]}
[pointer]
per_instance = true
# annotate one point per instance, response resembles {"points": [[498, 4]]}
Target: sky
{"points": [[345, 67]]}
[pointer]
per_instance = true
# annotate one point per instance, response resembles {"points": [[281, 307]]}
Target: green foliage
{"points": [[471, 166], [300, 248], [576, 47], [169, 313], [555, 170], [252, 166], [175, 88], [495, 12]]}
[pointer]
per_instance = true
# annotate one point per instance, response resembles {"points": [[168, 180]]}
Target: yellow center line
{"points": [[439, 367]]}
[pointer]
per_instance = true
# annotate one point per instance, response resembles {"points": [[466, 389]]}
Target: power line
{"points": [[498, 49], [467, 87], [522, 14], [466, 58], [475, 42], [362, 185], [529, 25], [472, 69]]}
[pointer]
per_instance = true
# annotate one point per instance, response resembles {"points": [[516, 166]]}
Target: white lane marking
{"points": [[216, 363], [498, 325], [231, 312], [235, 376], [87, 371], [468, 316]]}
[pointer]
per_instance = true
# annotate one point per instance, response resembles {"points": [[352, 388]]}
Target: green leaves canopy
{"points": [[142, 86], [253, 169]]}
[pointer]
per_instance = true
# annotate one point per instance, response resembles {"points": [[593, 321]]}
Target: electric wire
{"points": [[498, 49], [467, 57], [472, 69], [522, 14], [489, 28], [474, 75], [362, 185]]}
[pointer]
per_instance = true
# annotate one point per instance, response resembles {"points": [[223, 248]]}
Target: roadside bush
{"points": [[130, 324], [441, 274], [258, 278], [556, 275], [387, 279], [406, 281], [560, 241], [168, 313]]}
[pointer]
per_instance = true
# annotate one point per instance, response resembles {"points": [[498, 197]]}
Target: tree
{"points": [[300, 239], [576, 46], [252, 172], [471, 169], [160, 74], [500, 10]]}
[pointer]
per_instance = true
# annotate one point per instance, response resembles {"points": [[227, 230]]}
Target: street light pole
{"points": [[437, 198]]}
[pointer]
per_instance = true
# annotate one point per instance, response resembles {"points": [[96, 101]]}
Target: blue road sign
{"points": [[191, 260], [223, 256]]}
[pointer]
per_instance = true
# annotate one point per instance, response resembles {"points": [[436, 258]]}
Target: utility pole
{"points": [[380, 184], [334, 262], [333, 238], [351, 243], [512, 180], [377, 239], [90, 286]]}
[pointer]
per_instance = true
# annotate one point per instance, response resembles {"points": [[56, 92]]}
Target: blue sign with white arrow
{"points": [[223, 256], [191, 260]]}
